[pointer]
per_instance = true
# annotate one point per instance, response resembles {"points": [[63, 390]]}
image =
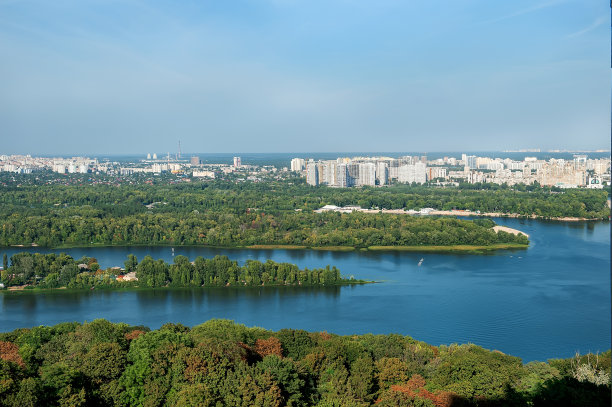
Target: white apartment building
{"points": [[312, 173], [341, 176], [329, 173], [413, 173], [436, 172], [382, 173], [367, 174], [298, 164]]}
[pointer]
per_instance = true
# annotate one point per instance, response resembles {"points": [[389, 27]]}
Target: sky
{"points": [[132, 76]]}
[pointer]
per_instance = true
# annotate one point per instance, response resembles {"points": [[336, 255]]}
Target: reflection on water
{"points": [[548, 301]]}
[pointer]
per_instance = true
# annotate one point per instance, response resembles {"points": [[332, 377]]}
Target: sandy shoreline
{"points": [[509, 230]]}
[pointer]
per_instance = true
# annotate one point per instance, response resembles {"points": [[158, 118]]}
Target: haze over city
{"points": [[93, 77]]}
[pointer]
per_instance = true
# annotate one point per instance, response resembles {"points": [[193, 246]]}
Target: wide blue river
{"points": [[549, 301]]}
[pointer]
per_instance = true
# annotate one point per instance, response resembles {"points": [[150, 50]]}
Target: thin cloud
{"points": [[599, 21], [527, 10]]}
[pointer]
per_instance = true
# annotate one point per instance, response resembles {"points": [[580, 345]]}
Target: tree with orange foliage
{"points": [[415, 388], [10, 352], [270, 346], [130, 336]]}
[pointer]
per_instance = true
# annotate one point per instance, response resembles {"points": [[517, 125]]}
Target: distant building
{"points": [[195, 160], [556, 173], [298, 164], [394, 169], [353, 174], [320, 175], [471, 162], [382, 173], [237, 162], [367, 174], [59, 168], [204, 174], [312, 173], [436, 172], [329, 173], [413, 173], [341, 176]]}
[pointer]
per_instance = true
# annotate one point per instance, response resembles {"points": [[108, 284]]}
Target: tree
{"points": [[10, 353], [104, 362], [361, 379], [67, 274], [131, 263], [270, 346], [284, 372]]}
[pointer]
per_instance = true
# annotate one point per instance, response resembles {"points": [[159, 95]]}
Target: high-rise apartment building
{"points": [[341, 175], [353, 174], [382, 173], [367, 174], [413, 173], [298, 164], [394, 169], [237, 162], [435, 172], [471, 161], [312, 173], [329, 173]]}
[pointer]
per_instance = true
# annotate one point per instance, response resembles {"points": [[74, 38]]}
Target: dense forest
{"points": [[85, 226], [53, 271], [276, 213], [220, 363], [130, 198]]}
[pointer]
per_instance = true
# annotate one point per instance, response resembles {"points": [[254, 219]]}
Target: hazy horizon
{"points": [[326, 155], [284, 75]]}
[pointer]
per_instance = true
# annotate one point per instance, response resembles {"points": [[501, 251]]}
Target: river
{"points": [[548, 301]]}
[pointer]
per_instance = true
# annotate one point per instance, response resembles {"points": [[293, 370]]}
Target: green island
{"points": [[35, 271], [221, 363], [277, 214]]}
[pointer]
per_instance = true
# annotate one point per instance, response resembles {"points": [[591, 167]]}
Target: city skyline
{"points": [[343, 172], [292, 76]]}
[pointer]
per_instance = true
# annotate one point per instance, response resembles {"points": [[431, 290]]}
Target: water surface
{"points": [[548, 301]]}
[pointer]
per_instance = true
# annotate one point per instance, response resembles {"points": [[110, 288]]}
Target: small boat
{"points": [[421, 262]]}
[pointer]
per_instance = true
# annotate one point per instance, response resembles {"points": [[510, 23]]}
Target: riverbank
{"points": [[426, 249], [431, 248], [509, 230], [507, 215], [297, 247], [468, 249], [30, 289], [452, 212]]}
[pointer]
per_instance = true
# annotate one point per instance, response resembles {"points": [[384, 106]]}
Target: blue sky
{"points": [[130, 76]]}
